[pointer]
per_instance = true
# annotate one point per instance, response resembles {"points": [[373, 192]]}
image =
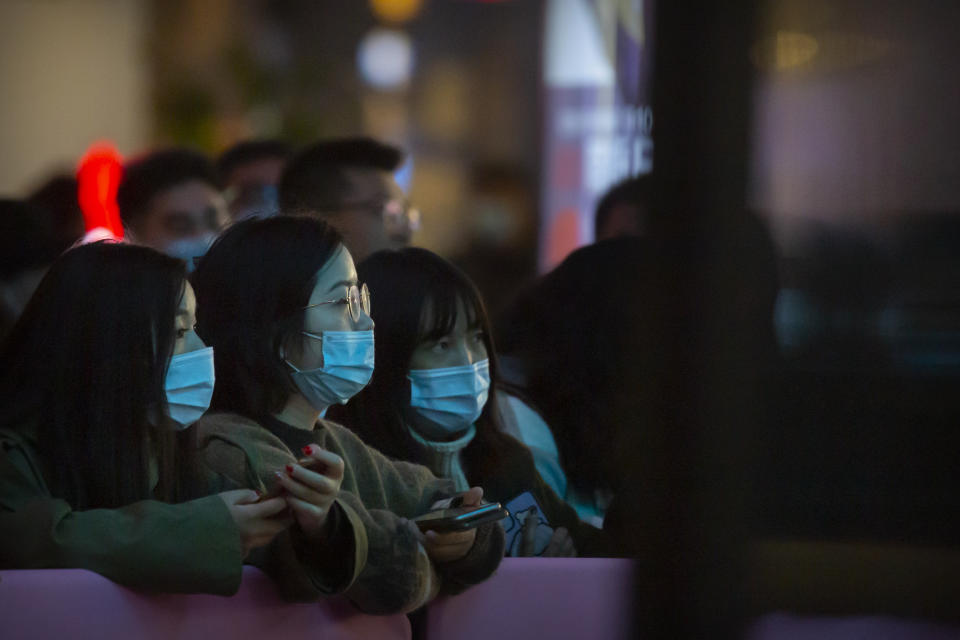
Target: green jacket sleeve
{"points": [[193, 547]]}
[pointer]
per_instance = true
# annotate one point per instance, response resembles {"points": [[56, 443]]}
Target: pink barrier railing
{"points": [[554, 598], [526, 598], [541, 598], [80, 604], [779, 626]]}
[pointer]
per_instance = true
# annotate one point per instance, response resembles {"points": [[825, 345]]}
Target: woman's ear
{"points": [[292, 350], [284, 348]]}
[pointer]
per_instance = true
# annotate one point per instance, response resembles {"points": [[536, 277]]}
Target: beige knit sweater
{"points": [[373, 556]]}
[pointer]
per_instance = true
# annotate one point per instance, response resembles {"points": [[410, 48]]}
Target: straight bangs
{"points": [[251, 288], [415, 296], [442, 296]]}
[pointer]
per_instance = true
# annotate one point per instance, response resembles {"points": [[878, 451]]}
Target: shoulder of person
{"points": [[20, 475], [404, 487], [239, 448], [232, 426], [237, 431], [346, 443], [361, 459]]}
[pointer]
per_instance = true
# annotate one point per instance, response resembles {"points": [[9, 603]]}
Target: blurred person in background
{"points": [[249, 174], [58, 196], [499, 246], [93, 450], [349, 183], [433, 395], [36, 231], [28, 244], [573, 345], [830, 313], [170, 200], [624, 210], [280, 301]]}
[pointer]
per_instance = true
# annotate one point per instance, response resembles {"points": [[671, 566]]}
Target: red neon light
{"points": [[98, 178]]}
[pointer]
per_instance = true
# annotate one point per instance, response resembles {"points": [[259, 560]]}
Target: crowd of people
{"points": [[263, 371]]}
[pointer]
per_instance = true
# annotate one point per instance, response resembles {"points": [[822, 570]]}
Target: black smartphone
{"points": [[461, 518]]}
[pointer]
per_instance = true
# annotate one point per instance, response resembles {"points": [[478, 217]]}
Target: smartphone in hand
{"points": [[460, 518]]}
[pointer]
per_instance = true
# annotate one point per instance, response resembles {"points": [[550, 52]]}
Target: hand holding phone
{"points": [[460, 518], [449, 531]]}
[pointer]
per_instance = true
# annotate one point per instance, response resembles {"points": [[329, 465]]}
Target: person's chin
{"points": [[430, 429]]}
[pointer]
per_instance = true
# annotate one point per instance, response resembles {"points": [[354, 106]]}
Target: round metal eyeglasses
{"points": [[357, 299]]}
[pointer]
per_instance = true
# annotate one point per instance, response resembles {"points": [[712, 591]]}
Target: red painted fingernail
{"points": [[290, 469], [307, 450], [257, 491]]}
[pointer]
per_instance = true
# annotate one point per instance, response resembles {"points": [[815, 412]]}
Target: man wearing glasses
{"points": [[349, 183], [170, 200]]}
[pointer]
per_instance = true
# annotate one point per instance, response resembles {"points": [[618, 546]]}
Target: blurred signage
{"points": [[598, 119]]}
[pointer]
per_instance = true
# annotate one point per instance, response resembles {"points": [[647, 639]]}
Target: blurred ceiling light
{"points": [[794, 51], [395, 11], [385, 59], [785, 50]]}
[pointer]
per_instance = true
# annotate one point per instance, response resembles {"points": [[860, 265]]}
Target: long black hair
{"points": [[404, 284], [83, 371], [251, 286], [587, 341]]}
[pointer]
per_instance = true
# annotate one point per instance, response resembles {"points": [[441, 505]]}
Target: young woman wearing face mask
{"points": [[432, 399], [280, 301], [99, 374]]}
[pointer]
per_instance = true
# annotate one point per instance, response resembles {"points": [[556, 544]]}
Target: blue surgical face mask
{"points": [[189, 386], [347, 368], [451, 397], [190, 249]]}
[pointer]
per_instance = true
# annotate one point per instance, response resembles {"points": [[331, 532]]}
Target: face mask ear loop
{"points": [[281, 352]]}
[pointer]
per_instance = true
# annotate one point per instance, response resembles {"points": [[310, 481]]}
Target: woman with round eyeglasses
{"points": [[280, 301]]}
